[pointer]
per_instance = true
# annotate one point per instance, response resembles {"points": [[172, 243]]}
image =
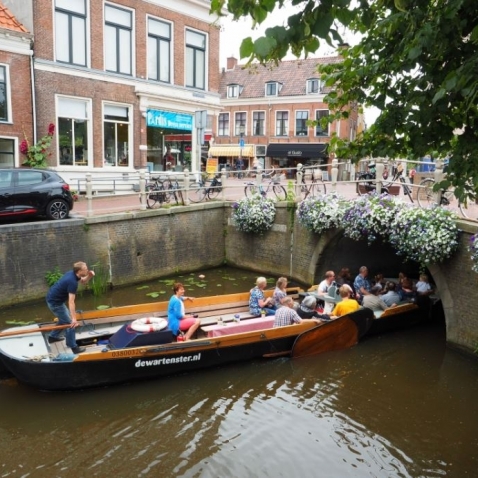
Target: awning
{"points": [[297, 150], [232, 150]]}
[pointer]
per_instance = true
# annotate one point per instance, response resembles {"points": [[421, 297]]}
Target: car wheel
{"points": [[57, 209]]}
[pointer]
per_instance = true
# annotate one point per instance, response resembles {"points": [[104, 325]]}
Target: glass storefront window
{"points": [[116, 130]]}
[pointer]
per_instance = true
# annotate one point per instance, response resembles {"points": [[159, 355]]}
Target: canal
{"points": [[397, 405]]}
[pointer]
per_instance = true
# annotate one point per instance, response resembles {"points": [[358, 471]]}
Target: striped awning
{"points": [[232, 150]]}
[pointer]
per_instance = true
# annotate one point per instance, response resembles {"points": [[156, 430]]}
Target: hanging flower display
{"points": [[427, 236], [317, 214], [254, 214]]}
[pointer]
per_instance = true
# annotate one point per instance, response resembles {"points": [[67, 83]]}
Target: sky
{"points": [[233, 32]]}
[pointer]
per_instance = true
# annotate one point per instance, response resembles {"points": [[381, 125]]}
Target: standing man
{"points": [[323, 290], [64, 290], [362, 285]]}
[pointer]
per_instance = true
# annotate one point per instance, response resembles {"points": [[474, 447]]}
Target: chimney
{"points": [[231, 63]]}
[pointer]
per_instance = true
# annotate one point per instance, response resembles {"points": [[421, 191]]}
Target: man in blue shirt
{"points": [[64, 290], [362, 285]]}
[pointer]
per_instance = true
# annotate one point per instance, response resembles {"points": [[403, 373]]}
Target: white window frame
{"points": [[129, 107], [228, 133], [238, 124], [133, 36], [15, 140], [87, 34], [89, 119], [233, 91], [271, 83], [310, 89], [8, 95], [264, 129], [206, 58], [287, 127], [328, 126], [301, 119], [171, 48]]}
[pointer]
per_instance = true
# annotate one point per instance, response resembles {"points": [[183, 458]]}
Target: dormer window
{"points": [[233, 91], [314, 85], [273, 88]]}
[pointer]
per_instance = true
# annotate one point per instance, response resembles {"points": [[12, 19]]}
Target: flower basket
{"points": [[254, 214], [317, 214], [473, 248]]}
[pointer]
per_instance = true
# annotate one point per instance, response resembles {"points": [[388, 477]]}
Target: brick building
{"points": [[122, 81], [16, 119], [269, 109]]}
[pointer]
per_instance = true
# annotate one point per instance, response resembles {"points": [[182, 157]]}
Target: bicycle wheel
{"points": [[319, 188], [464, 209], [148, 188], [173, 193], [197, 193], [250, 190], [213, 190], [425, 195], [407, 189], [280, 192], [155, 198]]}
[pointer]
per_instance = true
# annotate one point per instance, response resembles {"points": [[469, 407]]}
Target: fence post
{"points": [[258, 178], [379, 175], [187, 181], [224, 183], [142, 188], [438, 176], [89, 195], [298, 184], [335, 173]]}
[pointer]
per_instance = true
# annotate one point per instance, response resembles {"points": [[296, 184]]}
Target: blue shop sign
{"points": [[167, 119]]}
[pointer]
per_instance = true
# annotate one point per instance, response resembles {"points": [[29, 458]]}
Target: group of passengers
{"points": [[378, 295]]}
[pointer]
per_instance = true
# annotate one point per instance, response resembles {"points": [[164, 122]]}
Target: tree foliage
{"points": [[416, 61]]}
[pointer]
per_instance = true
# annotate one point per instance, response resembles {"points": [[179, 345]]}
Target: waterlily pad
{"points": [[218, 285], [19, 322], [102, 307], [153, 294], [142, 287]]}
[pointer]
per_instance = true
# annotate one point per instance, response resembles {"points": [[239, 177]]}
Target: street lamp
{"points": [[242, 130]]}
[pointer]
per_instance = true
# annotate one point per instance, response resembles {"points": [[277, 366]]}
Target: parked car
{"points": [[34, 192]]}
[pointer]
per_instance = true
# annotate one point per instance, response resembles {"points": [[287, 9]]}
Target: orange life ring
{"points": [[149, 324]]}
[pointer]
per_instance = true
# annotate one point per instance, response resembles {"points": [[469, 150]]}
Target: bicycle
{"points": [[274, 184], [200, 192], [398, 177], [162, 190], [316, 186], [426, 197]]}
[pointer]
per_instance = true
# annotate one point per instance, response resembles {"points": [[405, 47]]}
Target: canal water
{"points": [[397, 405]]}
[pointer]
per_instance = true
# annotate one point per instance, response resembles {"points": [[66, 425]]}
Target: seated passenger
{"points": [[280, 291], [257, 300], [391, 296], [362, 285], [307, 309], [423, 285], [347, 305], [286, 315], [177, 320], [379, 281], [373, 301], [407, 291]]}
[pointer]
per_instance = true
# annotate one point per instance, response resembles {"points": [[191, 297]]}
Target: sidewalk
{"points": [[234, 190]]}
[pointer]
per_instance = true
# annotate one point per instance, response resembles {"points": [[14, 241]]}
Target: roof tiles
{"points": [[8, 21], [292, 74]]}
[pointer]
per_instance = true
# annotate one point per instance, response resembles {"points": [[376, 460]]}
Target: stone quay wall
{"points": [[143, 245]]}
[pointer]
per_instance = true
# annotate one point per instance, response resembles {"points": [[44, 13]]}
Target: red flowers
{"points": [[37, 154]]}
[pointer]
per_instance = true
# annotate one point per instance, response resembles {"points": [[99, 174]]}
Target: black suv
{"points": [[34, 192]]}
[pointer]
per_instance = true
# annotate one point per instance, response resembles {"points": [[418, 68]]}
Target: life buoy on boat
{"points": [[149, 324]]}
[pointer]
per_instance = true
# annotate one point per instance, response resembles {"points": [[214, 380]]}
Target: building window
{"points": [[319, 130], [239, 120], [4, 94], [70, 31], [233, 91], [118, 40], [116, 129], [7, 153], [301, 118], [314, 85], [282, 123], [159, 50], [73, 126], [258, 123], [195, 60], [273, 88], [223, 124]]}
